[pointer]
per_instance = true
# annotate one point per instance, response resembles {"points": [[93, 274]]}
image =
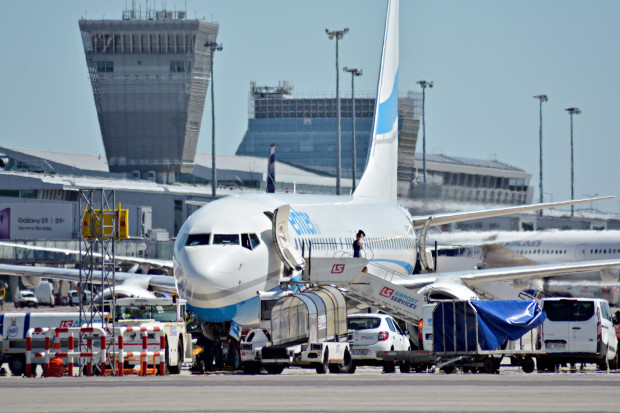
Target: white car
{"points": [[74, 298], [371, 333], [577, 330], [26, 298]]}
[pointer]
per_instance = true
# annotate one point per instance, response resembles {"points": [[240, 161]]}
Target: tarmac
{"points": [[368, 390]]}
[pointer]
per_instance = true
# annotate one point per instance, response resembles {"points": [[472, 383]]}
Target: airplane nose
{"points": [[212, 269]]}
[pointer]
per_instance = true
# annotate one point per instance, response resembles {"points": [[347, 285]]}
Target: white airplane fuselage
{"points": [[545, 247], [220, 280]]}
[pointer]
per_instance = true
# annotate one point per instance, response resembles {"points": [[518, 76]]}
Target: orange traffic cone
{"points": [[57, 365]]}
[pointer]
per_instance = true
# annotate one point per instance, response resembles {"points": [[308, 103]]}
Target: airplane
{"points": [[233, 247], [515, 248]]}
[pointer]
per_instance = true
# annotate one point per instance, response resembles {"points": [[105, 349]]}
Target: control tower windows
{"points": [[105, 67]]}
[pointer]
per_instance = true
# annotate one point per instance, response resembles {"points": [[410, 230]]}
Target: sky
{"points": [[487, 60]]}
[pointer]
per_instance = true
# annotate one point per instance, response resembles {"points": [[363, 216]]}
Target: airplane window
{"points": [[197, 239], [225, 239], [245, 241], [254, 240]]}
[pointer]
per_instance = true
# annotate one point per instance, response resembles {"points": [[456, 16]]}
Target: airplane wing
{"points": [[473, 277], [167, 264], [498, 255], [163, 283], [449, 218]]}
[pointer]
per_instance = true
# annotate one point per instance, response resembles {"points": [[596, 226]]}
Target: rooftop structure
{"points": [[451, 178], [149, 72], [303, 129]]}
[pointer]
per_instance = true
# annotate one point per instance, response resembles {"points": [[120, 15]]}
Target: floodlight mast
{"points": [[213, 46], [541, 98], [338, 35], [571, 112], [354, 72], [424, 84]]}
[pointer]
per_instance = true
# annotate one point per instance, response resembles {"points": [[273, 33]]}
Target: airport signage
{"points": [[36, 221]]}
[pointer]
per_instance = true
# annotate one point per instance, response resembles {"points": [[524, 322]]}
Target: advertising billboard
{"points": [[36, 221]]}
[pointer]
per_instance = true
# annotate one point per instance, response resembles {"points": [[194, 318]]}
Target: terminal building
{"points": [[150, 72], [303, 128]]}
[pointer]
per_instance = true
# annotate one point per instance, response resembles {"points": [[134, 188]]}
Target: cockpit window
{"points": [[225, 239], [197, 239], [249, 241], [254, 240]]}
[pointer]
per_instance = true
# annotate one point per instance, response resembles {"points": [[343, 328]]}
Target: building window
{"points": [[104, 67]]}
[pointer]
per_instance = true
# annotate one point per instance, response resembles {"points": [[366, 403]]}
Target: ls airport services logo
{"points": [[338, 269], [386, 292]]}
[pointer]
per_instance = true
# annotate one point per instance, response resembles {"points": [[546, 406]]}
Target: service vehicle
{"points": [[577, 330], [15, 326], [307, 329], [474, 336], [167, 313], [74, 297], [45, 293], [372, 333], [26, 298]]}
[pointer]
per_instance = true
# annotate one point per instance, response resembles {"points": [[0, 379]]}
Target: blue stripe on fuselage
{"points": [[250, 306], [407, 266], [238, 310], [388, 111]]}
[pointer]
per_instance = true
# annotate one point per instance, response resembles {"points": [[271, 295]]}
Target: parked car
{"points": [[577, 330], [26, 298], [74, 298], [371, 333]]}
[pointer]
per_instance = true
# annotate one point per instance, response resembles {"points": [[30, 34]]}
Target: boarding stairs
{"points": [[363, 280], [367, 283]]}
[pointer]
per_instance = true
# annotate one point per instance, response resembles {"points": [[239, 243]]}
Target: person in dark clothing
{"points": [[357, 244]]}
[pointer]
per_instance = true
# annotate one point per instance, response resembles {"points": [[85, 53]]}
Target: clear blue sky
{"points": [[487, 59]]}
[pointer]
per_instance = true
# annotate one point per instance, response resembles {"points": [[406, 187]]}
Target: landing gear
{"points": [[218, 349]]}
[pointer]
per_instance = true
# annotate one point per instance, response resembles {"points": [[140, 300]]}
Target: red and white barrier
{"points": [[144, 354], [48, 353]]}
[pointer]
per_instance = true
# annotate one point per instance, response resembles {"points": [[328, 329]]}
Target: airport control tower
{"points": [[150, 73]]}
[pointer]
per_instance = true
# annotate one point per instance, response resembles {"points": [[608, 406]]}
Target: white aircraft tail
{"points": [[379, 179]]}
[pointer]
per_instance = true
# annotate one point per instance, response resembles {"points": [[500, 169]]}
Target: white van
{"points": [[577, 330]]}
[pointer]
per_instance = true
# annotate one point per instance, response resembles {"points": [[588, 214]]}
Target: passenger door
{"points": [[398, 335], [281, 239]]}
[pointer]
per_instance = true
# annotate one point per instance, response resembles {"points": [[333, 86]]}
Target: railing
{"points": [[70, 354]]}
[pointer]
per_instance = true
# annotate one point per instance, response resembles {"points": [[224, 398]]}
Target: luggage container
{"points": [[475, 336]]}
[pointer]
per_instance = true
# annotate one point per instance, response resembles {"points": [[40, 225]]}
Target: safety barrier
{"points": [[144, 354], [56, 352]]}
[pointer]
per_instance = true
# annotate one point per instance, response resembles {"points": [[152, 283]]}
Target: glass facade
{"points": [[304, 129]]}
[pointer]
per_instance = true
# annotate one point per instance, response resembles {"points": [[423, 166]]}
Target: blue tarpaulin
{"points": [[454, 323]]}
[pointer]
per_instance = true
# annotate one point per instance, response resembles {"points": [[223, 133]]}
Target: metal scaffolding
{"points": [[99, 232]]}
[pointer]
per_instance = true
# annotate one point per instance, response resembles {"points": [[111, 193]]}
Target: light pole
{"points": [[541, 98], [213, 46], [337, 34], [424, 84], [571, 112], [354, 72]]}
